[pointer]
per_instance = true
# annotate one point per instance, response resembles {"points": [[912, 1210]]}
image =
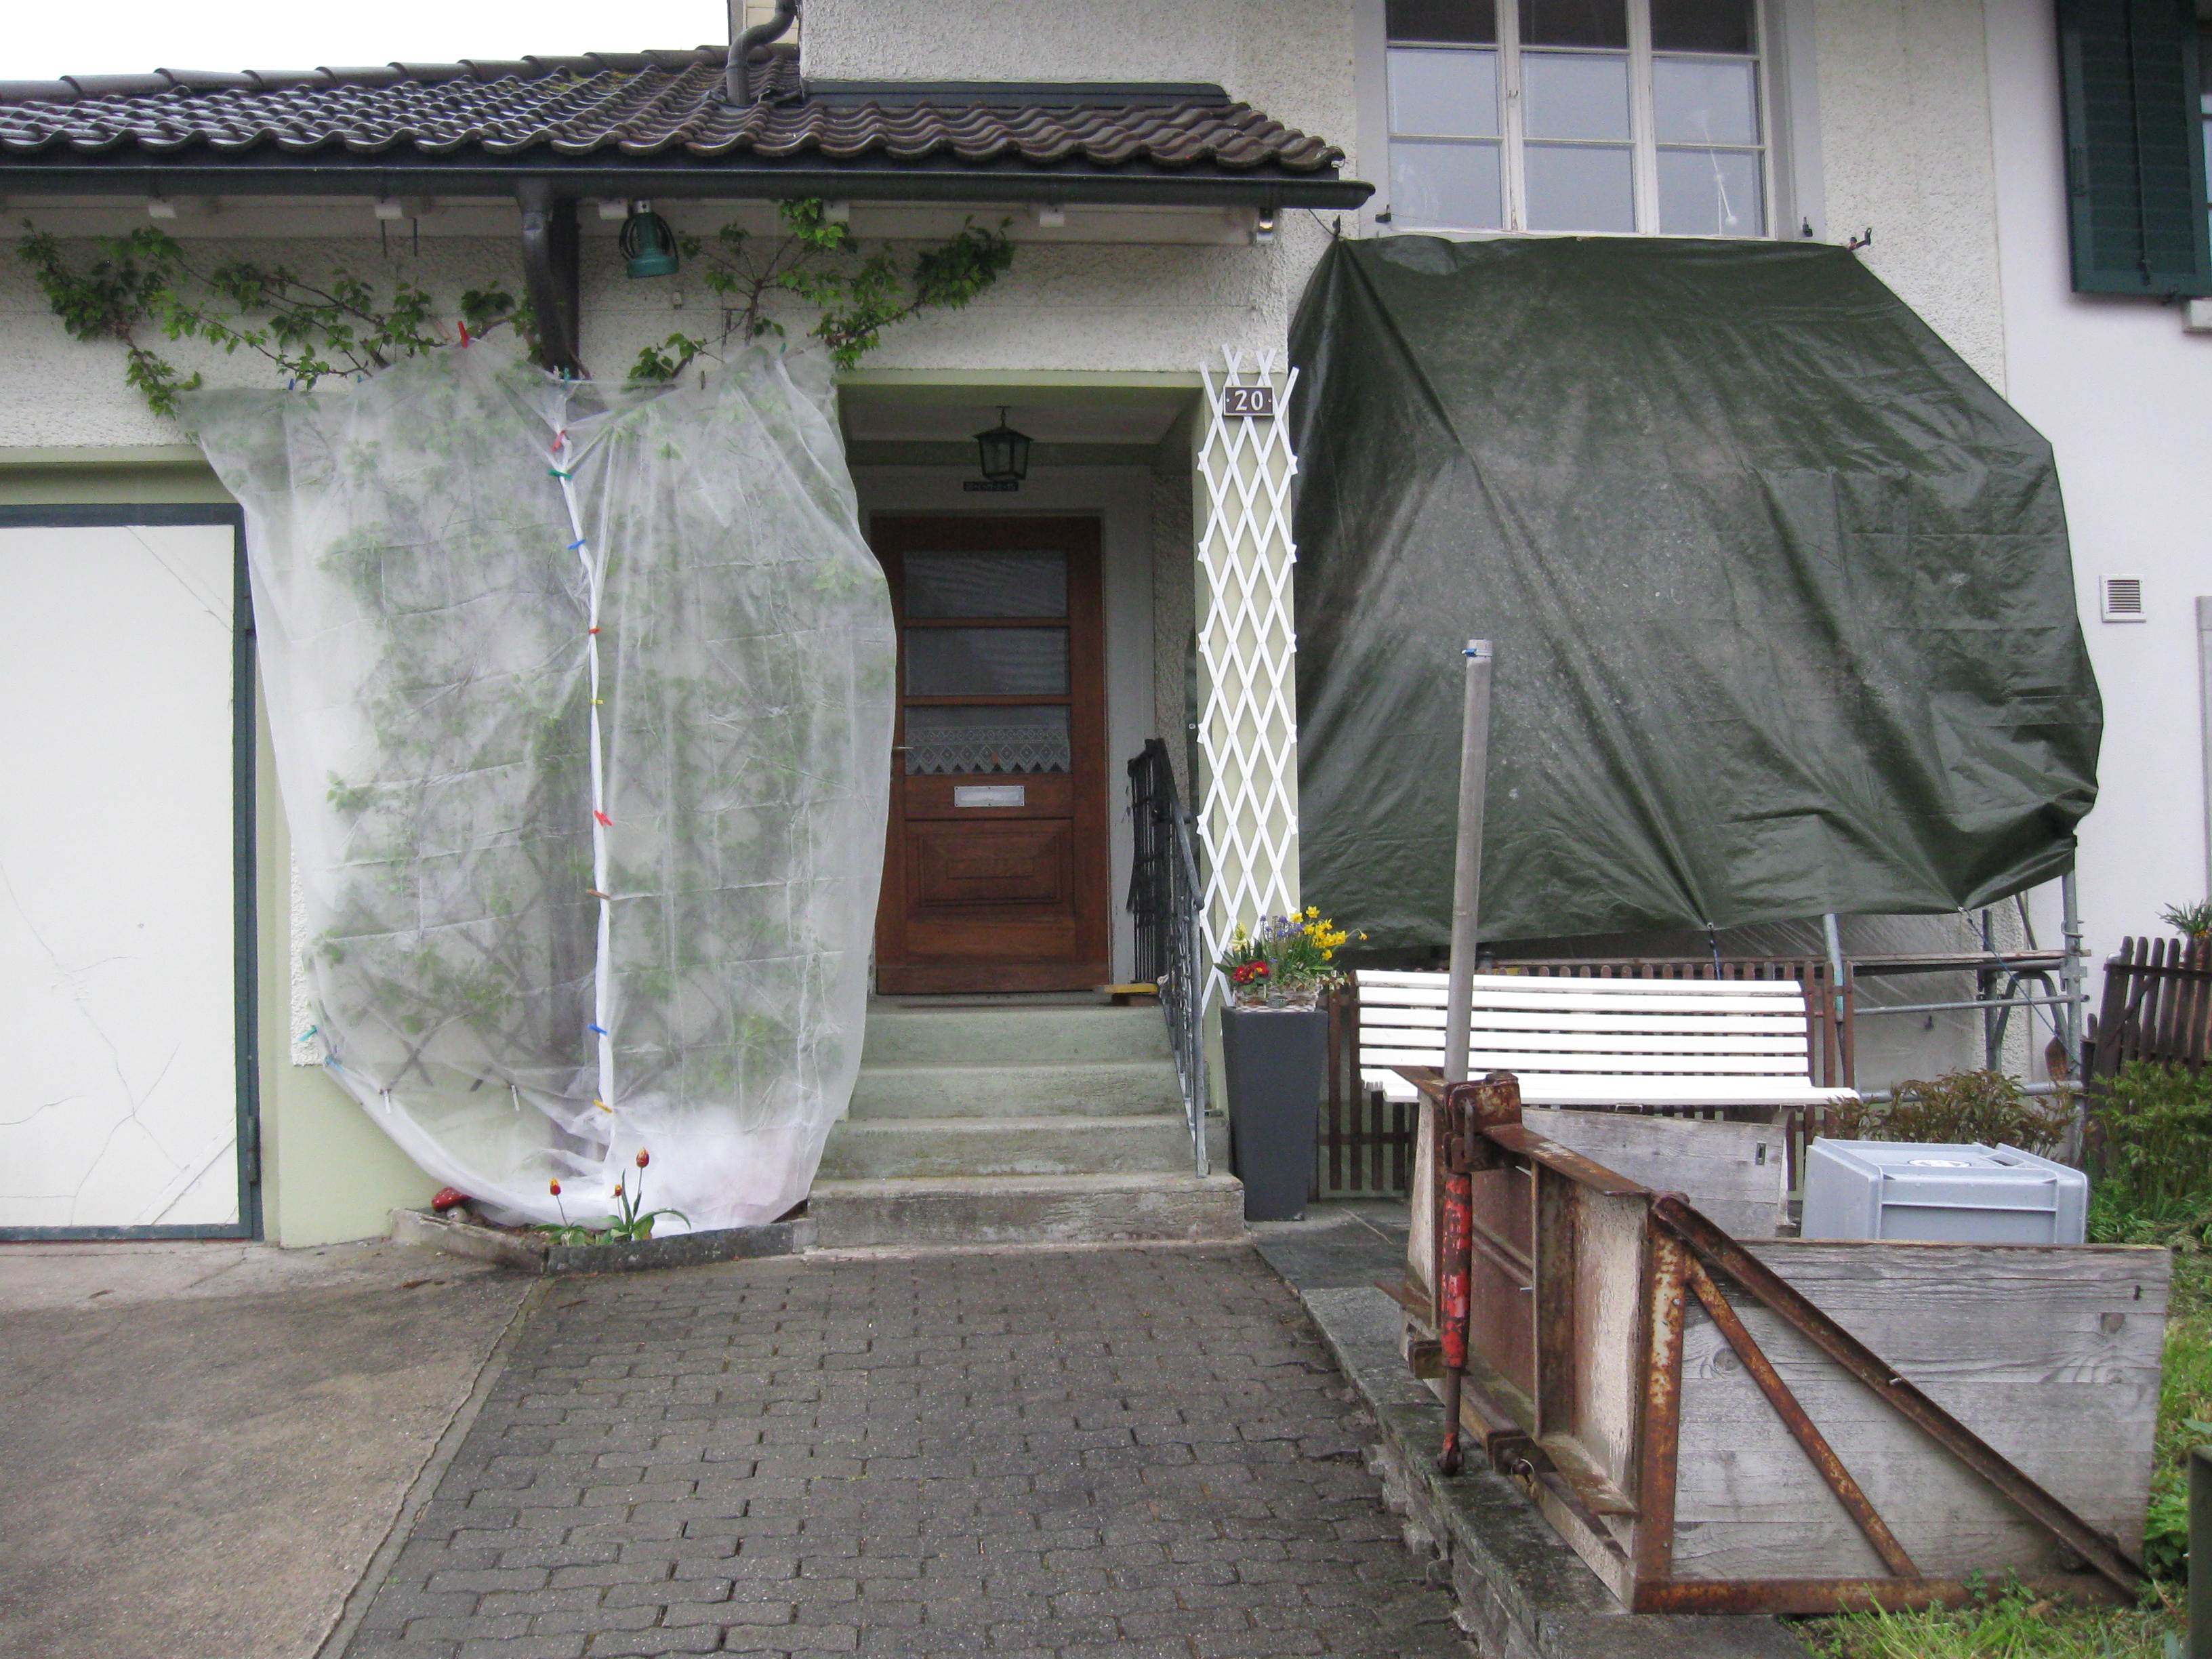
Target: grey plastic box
{"points": [[1969, 1195]]}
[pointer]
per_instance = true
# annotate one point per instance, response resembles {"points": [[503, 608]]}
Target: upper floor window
{"points": [[1576, 115]]}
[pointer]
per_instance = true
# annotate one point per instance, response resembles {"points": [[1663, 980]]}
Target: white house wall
{"points": [[2125, 396]]}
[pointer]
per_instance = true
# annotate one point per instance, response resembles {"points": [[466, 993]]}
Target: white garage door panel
{"points": [[119, 1106]]}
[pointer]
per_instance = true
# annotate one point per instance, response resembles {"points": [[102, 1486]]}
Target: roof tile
{"points": [[634, 105]]}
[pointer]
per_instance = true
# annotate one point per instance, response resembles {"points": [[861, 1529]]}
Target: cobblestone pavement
{"points": [[1125, 1452]]}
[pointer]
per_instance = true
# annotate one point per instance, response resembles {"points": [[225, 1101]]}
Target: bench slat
{"points": [[1517, 1019], [1522, 996], [1389, 1035], [1480, 1061], [1541, 1089], [1691, 988]]}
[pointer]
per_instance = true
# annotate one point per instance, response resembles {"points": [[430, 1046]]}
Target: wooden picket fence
{"points": [[1365, 1145], [2157, 1006]]}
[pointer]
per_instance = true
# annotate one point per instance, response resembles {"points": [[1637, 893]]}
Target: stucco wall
{"points": [[1904, 142], [2123, 393]]}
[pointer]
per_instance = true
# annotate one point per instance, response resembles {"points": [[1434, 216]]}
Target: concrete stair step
{"points": [[1038, 1033], [1067, 1209], [879, 1149], [1103, 1088]]}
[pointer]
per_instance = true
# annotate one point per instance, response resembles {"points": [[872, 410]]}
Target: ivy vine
{"points": [[142, 287]]}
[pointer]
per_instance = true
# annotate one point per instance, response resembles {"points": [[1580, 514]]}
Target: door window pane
{"points": [[1574, 22], [1580, 187], [953, 662], [1475, 22], [1445, 187], [1704, 101], [1703, 26], [1444, 93], [986, 584], [1574, 96], [991, 739], [1711, 192]]}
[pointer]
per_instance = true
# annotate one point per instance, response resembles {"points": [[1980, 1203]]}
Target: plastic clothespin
{"points": [[591, 630], [464, 333], [602, 1105], [558, 473], [599, 702], [601, 1030], [593, 892], [602, 817], [309, 1032], [577, 545]]}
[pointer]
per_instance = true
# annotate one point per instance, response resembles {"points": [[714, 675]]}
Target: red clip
{"points": [[464, 333], [602, 817], [591, 630]]}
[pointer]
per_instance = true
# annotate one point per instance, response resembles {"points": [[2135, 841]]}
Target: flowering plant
{"points": [[633, 1226], [1287, 960]]}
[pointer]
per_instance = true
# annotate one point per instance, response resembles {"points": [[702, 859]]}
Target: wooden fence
{"points": [[2157, 1007], [1366, 1144]]}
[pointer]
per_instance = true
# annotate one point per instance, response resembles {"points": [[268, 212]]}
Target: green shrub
{"points": [[2154, 1142], [1961, 1106]]}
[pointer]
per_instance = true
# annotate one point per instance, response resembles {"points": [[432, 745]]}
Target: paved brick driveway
{"points": [[1126, 1452]]}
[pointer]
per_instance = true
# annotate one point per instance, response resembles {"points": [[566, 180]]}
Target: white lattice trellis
{"points": [[1248, 717]]}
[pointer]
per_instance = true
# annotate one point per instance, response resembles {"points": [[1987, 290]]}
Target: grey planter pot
{"points": [[1276, 1061]]}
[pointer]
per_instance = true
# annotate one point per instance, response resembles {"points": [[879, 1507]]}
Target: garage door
{"points": [[121, 843]]}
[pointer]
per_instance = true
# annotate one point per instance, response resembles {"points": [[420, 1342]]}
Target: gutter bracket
{"points": [[549, 273]]}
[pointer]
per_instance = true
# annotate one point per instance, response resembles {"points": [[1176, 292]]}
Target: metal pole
{"points": [[1466, 866], [2072, 973], [2200, 1552]]}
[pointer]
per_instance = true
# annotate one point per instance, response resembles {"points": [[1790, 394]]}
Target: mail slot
{"points": [[990, 794]]}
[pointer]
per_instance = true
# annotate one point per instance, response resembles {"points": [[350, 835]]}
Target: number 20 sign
{"points": [[1247, 403]]}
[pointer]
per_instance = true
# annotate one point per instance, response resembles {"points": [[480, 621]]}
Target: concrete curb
{"points": [[1522, 1593], [524, 1254], [420, 1490]]}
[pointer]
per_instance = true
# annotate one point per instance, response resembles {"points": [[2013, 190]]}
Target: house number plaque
{"points": [[1250, 403], [990, 794]]}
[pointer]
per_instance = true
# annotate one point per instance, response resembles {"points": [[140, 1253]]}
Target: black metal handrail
{"points": [[1164, 896]]}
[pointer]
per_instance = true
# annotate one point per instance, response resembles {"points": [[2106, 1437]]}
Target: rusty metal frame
{"points": [[1503, 1328]]}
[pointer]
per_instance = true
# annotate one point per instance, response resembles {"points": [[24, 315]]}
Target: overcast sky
{"points": [[44, 39]]}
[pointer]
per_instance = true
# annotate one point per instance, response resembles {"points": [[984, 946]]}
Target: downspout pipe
{"points": [[549, 273], [737, 78]]}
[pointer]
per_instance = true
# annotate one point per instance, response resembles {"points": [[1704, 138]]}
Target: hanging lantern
{"points": [[1002, 452], [648, 244]]}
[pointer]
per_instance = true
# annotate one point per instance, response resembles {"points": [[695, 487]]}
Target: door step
{"points": [[1101, 1088], [1013, 1033], [1059, 1209], [894, 1148]]}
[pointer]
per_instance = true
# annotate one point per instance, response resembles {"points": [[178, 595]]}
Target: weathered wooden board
{"points": [[1738, 1174], [2051, 1354]]}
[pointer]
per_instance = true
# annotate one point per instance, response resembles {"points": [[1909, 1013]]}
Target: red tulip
{"points": [[553, 1186], [644, 1158]]}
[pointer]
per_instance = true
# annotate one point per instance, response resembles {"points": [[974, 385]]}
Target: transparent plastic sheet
{"points": [[582, 704]]}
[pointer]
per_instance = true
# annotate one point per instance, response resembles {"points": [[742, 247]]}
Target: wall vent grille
{"points": [[2123, 598]]}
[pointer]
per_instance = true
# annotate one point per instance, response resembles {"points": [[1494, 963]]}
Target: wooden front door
{"points": [[995, 871]]}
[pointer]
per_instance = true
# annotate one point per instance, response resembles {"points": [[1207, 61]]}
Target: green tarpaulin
{"points": [[1784, 610]]}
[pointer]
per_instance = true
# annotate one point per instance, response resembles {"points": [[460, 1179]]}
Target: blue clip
{"points": [[576, 545], [309, 1032], [601, 1030]]}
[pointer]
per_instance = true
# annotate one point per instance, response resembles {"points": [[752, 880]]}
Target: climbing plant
{"points": [[858, 294], [143, 289]]}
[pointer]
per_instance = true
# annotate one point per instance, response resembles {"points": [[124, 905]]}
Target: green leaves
{"points": [[818, 264], [142, 281]]}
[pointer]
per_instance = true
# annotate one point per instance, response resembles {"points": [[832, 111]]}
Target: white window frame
{"points": [[1790, 171]]}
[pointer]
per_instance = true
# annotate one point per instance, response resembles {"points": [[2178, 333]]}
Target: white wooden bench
{"points": [[1600, 1043]]}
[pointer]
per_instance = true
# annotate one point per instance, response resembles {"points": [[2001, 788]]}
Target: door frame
{"points": [[246, 977], [1093, 827]]}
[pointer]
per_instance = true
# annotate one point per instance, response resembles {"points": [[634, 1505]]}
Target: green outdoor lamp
{"points": [[648, 244], [1002, 452]]}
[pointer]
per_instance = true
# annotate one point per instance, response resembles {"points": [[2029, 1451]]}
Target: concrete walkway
{"points": [[205, 1443], [1123, 1451]]}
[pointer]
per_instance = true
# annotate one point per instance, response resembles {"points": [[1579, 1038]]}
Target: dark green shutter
{"points": [[2134, 146]]}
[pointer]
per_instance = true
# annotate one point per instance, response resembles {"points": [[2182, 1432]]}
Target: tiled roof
{"points": [[622, 107]]}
